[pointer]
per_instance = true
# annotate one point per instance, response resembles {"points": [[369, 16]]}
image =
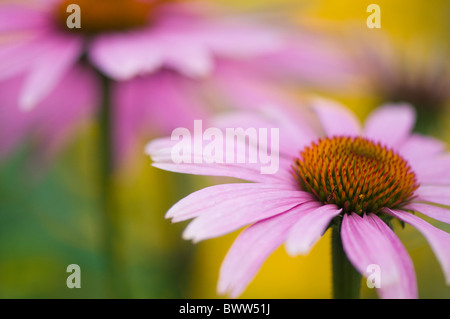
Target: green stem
{"points": [[109, 216], [346, 280]]}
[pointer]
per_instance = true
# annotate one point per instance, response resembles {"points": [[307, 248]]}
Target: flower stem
{"points": [[109, 216], [346, 280]]}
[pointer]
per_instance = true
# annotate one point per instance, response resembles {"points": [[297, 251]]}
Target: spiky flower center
{"points": [[99, 16], [356, 174]]}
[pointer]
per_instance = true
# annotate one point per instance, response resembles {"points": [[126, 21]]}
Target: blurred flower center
{"points": [[98, 16], [430, 96], [355, 174]]}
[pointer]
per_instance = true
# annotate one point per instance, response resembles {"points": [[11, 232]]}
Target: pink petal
{"points": [[161, 154], [434, 194], [364, 245], [222, 36], [125, 55], [153, 105], [390, 124], [407, 287], [438, 239], [252, 247], [236, 212], [18, 56], [293, 135], [237, 39], [218, 170], [193, 60], [439, 213], [74, 99], [262, 105], [15, 17], [435, 170], [419, 147], [14, 124], [318, 62], [194, 204], [309, 228], [335, 118], [48, 69], [49, 124], [244, 88]]}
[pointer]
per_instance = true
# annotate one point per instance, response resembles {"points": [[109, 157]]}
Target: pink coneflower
{"points": [[159, 53], [43, 62], [333, 173]]}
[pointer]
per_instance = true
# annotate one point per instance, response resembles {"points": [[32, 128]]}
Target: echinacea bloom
{"points": [[331, 172], [159, 53]]}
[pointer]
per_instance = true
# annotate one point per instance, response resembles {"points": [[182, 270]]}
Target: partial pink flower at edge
{"points": [[186, 46]]}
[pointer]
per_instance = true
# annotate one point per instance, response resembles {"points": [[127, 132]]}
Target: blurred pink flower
{"points": [[416, 72], [331, 171], [160, 53]]}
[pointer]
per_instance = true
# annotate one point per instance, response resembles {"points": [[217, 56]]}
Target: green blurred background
{"points": [[49, 211]]}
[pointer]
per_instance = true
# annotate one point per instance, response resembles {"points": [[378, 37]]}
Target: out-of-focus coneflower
{"points": [[159, 54]]}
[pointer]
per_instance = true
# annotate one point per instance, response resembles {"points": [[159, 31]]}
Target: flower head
{"points": [[355, 174], [332, 172], [104, 16], [162, 55]]}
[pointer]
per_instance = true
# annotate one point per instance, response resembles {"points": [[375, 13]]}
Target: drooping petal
{"points": [[319, 62], [218, 170], [251, 165], [252, 247], [239, 211], [166, 43], [125, 55], [224, 35], [18, 56], [439, 213], [390, 124], [365, 245], [193, 61], [48, 69], [237, 39], [335, 118], [294, 130], [407, 286], [14, 17], [439, 240], [309, 228], [196, 203], [153, 105], [74, 98], [14, 124]]}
